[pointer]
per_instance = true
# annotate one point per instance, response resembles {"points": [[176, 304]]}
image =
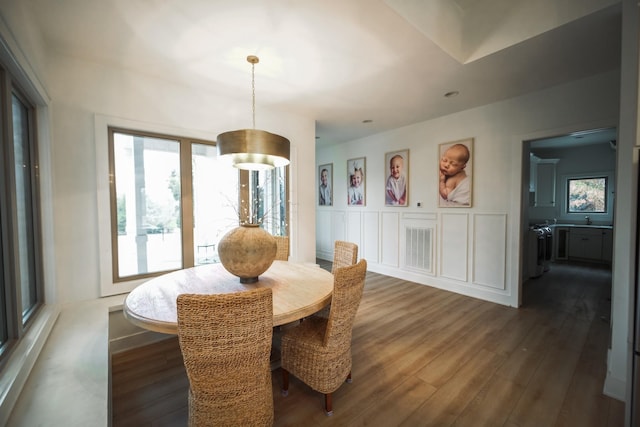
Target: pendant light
{"points": [[253, 149]]}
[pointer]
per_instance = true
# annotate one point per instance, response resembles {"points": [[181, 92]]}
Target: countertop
{"points": [[606, 227]]}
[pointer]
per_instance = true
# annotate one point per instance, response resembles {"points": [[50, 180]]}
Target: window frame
{"points": [[186, 213], [579, 217], [16, 320], [186, 205], [606, 194]]}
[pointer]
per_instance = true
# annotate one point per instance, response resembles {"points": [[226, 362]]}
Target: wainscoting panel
{"points": [[370, 238], [339, 227], [324, 227], [354, 227], [390, 239], [489, 250], [453, 246], [429, 216]]}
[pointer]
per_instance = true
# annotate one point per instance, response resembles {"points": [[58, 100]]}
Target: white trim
{"points": [[101, 138], [20, 67]]}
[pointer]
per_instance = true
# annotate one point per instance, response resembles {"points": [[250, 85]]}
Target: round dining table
{"points": [[299, 290]]}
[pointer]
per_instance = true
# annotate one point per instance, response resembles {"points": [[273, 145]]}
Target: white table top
{"points": [[299, 290]]}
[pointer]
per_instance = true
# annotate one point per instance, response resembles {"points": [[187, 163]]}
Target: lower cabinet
{"points": [[585, 243], [590, 244], [561, 243], [607, 246]]}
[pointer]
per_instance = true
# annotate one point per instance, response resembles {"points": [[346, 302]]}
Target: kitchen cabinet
{"points": [[533, 172], [585, 243], [607, 246], [545, 187], [561, 243], [590, 244]]}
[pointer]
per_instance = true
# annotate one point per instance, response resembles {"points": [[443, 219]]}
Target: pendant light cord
{"points": [[253, 92]]}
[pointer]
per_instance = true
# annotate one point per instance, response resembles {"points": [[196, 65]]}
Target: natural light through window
{"points": [[147, 174], [173, 199], [587, 195]]}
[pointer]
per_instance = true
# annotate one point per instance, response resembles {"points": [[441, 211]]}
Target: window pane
{"points": [[272, 202], [23, 195], [587, 195], [148, 202], [147, 182], [4, 331], [215, 200]]}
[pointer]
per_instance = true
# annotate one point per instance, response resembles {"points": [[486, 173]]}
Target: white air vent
{"points": [[418, 248]]}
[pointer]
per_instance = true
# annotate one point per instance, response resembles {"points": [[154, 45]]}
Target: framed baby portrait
{"points": [[325, 185], [455, 174], [356, 169], [396, 183]]}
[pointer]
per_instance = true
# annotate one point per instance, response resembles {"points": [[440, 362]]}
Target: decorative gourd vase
{"points": [[247, 251]]}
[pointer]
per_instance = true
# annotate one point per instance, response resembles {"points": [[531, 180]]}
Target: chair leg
{"points": [[349, 378], [328, 407], [285, 382]]}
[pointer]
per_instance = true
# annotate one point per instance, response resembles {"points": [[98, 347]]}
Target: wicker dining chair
{"points": [[344, 254], [225, 341], [318, 351], [282, 253]]}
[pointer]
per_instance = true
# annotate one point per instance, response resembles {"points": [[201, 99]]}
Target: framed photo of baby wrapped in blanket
{"points": [[396, 188], [455, 174]]}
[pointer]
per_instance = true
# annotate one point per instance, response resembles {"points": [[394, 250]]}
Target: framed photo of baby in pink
{"points": [[396, 184], [455, 174], [356, 193]]}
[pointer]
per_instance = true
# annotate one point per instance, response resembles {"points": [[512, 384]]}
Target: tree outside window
{"points": [[172, 201], [587, 195]]}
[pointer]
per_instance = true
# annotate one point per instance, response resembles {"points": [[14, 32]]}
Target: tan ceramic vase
{"points": [[247, 251]]}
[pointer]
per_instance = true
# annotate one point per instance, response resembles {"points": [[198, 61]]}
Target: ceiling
{"points": [[343, 62], [581, 138]]}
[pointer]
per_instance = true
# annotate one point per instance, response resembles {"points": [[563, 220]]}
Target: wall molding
{"points": [[469, 249]]}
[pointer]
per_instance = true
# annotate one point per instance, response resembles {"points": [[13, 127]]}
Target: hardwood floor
{"points": [[427, 357]]}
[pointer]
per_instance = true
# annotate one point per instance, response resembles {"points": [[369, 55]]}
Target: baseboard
{"points": [[124, 335]]}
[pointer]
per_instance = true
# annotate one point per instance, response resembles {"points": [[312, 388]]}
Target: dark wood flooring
{"points": [[427, 357]]}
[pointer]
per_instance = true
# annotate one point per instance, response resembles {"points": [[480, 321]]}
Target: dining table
{"points": [[299, 290]]}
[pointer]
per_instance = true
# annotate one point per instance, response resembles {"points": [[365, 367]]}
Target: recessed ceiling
{"points": [[469, 30], [577, 139], [338, 62]]}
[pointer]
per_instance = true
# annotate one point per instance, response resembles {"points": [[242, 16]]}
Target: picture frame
{"points": [[356, 182], [455, 174], [396, 183], [325, 189]]}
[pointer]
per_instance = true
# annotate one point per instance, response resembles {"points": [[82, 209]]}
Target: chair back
{"points": [[225, 341], [344, 254], [348, 286], [282, 253]]}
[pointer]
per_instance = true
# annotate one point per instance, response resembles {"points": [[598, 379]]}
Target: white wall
{"points": [[483, 260], [88, 97]]}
